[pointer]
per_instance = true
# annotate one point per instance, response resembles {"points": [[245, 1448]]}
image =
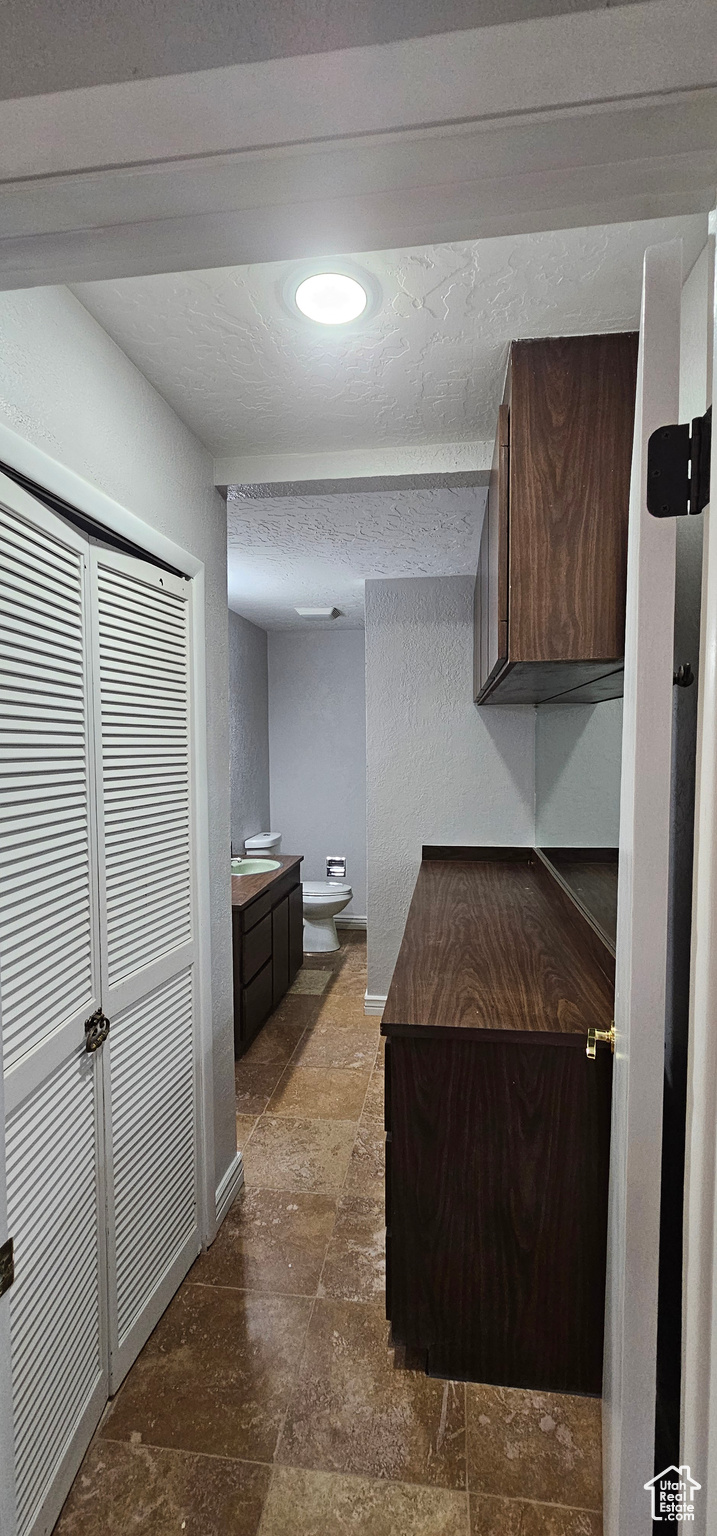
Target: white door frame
{"points": [[699, 1369], [641, 959], [46, 471]]}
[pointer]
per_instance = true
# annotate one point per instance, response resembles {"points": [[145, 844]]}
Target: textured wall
{"points": [[316, 551], [67, 388], [439, 770], [577, 774], [317, 737], [249, 728]]}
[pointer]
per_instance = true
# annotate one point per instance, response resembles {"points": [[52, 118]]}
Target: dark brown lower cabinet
{"points": [[498, 1125], [268, 950], [496, 1192]]}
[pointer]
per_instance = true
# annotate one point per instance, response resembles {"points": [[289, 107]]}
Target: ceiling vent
{"points": [[318, 613]]}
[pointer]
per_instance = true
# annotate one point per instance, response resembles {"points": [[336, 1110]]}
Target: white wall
{"points": [[68, 389], [249, 728], [317, 750], [439, 770], [577, 774]]}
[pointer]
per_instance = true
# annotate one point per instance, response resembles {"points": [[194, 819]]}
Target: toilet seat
{"points": [[326, 890]]}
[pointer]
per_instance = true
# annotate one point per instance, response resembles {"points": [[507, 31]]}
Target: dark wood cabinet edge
{"points": [[501, 669], [478, 854], [574, 855], [616, 669], [575, 1039]]}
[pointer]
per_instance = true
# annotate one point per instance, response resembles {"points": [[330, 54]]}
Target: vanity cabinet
{"points": [[498, 1126], [267, 944], [551, 582]]}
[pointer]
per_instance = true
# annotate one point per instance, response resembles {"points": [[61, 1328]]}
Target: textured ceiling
{"points": [[316, 551], [249, 378]]}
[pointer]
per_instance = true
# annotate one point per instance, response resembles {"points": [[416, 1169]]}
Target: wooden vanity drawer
{"points": [[255, 948], [256, 1002], [258, 909]]}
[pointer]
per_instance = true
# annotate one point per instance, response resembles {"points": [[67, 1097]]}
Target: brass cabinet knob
{"points": [[608, 1035]]}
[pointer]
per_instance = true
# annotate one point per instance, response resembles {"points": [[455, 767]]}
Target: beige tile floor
{"points": [[268, 1401]]}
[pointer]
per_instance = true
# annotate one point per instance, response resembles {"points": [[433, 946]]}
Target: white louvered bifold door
{"points": [[49, 985], [142, 662]]}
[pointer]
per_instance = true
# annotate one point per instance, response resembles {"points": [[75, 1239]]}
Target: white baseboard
{"points": [[229, 1187], [374, 1002], [350, 922]]}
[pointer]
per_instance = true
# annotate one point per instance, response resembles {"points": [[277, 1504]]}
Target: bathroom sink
{"points": [[254, 866]]}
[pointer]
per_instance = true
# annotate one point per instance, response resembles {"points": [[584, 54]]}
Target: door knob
{"points": [[97, 1028]]}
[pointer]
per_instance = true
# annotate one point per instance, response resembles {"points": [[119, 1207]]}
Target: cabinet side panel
{"points": [[573, 404], [491, 592], [296, 931], [499, 1161], [280, 950]]}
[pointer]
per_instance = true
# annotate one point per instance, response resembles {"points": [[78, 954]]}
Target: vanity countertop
{"points": [[246, 888], [494, 944]]}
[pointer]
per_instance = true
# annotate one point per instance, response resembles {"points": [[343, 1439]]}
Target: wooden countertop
{"points": [[591, 878], [493, 944], [246, 888]]}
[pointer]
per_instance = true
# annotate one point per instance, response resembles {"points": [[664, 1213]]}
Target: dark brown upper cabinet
{"points": [[550, 589]]}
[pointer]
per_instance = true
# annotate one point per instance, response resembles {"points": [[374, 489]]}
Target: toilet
{"points": [[323, 900], [263, 845]]}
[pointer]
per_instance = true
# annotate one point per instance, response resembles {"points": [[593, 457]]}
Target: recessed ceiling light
{"points": [[318, 613], [331, 298]]}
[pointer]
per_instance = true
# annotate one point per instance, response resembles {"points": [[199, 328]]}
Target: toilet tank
{"points": [[263, 842]]}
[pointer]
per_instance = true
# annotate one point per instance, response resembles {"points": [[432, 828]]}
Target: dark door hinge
{"points": [[678, 468], [7, 1266]]}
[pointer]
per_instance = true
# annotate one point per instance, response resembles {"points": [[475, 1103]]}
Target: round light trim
{"points": [[331, 298]]}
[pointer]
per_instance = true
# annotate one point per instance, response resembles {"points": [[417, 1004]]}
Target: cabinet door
{"points": [[256, 1003], [256, 948], [296, 931], [572, 414], [280, 950], [491, 594]]}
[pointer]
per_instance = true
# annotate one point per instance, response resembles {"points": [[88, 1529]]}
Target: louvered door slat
{"points": [[153, 1139], [145, 766], [43, 763]]}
